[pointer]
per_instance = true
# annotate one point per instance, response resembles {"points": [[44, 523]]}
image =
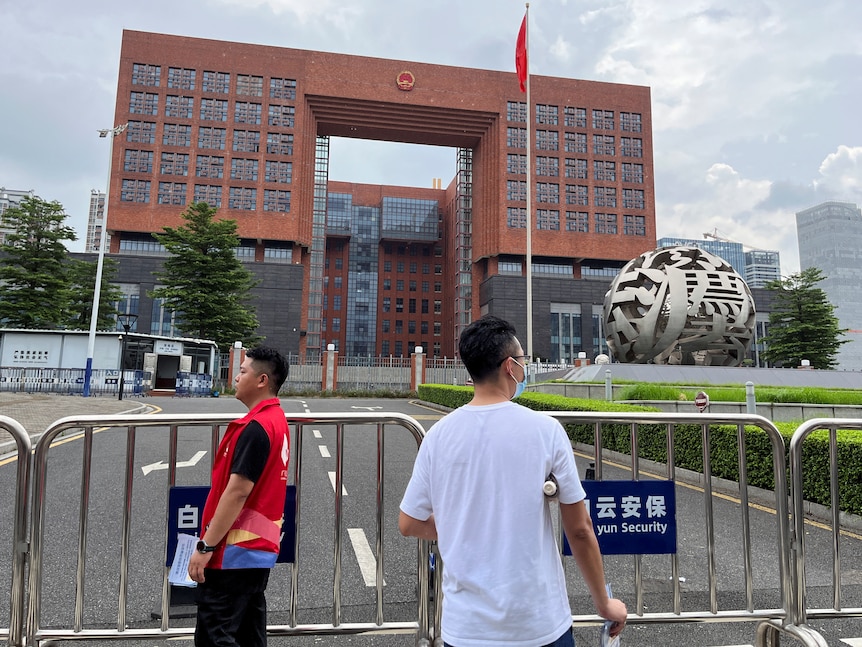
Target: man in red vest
{"points": [[244, 511]]}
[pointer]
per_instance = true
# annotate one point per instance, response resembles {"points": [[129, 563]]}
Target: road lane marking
{"points": [[364, 556], [317, 433], [853, 642], [324, 451], [332, 480]]}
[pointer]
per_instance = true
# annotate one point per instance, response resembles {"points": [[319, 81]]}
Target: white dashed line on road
{"points": [[853, 642], [316, 433], [364, 556], [332, 480], [324, 451]]}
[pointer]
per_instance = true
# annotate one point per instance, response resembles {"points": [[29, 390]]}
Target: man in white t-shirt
{"points": [[476, 489]]}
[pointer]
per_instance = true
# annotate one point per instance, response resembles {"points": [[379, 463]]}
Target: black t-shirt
{"points": [[251, 453]]}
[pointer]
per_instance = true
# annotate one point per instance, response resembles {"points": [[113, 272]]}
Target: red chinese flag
{"points": [[521, 55]]}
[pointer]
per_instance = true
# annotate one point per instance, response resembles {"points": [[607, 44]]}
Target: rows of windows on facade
{"points": [[259, 128], [574, 167]]}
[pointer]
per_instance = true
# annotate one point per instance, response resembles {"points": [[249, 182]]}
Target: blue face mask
{"points": [[520, 386]]}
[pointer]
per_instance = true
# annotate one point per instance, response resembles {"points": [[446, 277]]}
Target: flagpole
{"points": [[529, 254]]}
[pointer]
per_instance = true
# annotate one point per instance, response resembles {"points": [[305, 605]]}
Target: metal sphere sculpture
{"points": [[679, 305]]}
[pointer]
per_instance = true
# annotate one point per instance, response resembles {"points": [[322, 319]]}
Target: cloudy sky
{"points": [[756, 103]]}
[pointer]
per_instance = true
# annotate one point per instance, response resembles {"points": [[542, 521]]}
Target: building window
{"points": [[174, 164], [138, 161], [384, 347], [438, 307], [438, 287], [576, 169], [603, 145], [179, 107], [548, 192], [604, 196], [438, 329], [280, 172], [249, 85], [553, 268], [387, 304], [141, 132], [631, 146], [387, 284], [411, 327], [281, 116], [399, 304], [399, 285], [213, 109], [634, 226], [399, 326], [385, 325], [606, 223], [243, 169], [548, 115], [246, 141], [516, 218], [177, 135], [146, 74], [577, 221], [603, 119], [144, 103], [217, 82], [282, 89], [424, 330], [336, 324], [277, 252], [211, 166], [279, 143], [387, 266], [576, 143], [604, 171], [246, 112], [548, 219], [135, 191], [209, 137], [411, 307], [547, 140], [577, 194], [516, 164], [633, 173], [575, 117], [438, 269], [509, 267], [181, 78], [516, 190], [399, 267], [274, 200], [516, 137], [242, 198], [172, 193], [424, 306], [414, 267], [633, 199], [209, 194], [548, 166], [337, 282], [630, 122], [516, 111]]}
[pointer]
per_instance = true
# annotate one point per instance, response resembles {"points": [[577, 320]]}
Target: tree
{"points": [[34, 291], [82, 282], [802, 324], [204, 283]]}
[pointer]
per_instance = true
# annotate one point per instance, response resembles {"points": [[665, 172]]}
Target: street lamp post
{"points": [[126, 320], [110, 133]]}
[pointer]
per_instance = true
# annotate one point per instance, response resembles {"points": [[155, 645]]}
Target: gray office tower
{"points": [[830, 239]]}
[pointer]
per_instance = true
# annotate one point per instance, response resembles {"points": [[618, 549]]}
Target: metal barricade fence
{"points": [[132, 426], [802, 613], [14, 634], [782, 575]]}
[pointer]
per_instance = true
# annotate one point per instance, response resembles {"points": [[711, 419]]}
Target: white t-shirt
{"points": [[480, 472]]}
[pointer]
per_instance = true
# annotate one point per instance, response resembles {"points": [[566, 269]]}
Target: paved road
{"points": [[316, 558]]}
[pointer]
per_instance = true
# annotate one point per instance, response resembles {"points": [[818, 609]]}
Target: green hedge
{"points": [[810, 395], [724, 449]]}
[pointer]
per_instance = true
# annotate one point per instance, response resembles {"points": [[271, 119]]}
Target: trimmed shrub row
{"points": [[810, 395], [688, 444]]}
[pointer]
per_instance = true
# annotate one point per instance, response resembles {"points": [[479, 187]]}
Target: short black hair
{"points": [[270, 361], [485, 344]]}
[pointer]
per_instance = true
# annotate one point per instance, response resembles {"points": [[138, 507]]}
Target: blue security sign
{"points": [[186, 507], [632, 517]]}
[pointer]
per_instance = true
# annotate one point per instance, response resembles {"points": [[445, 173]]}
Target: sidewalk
{"points": [[36, 411]]}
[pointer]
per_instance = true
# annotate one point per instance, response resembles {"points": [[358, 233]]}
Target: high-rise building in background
{"points": [[756, 266], [830, 239], [95, 221], [10, 198], [246, 128]]}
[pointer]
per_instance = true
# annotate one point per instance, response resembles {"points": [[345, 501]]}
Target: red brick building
{"points": [[246, 128]]}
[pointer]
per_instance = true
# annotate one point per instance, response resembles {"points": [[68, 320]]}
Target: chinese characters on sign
{"points": [[632, 517]]}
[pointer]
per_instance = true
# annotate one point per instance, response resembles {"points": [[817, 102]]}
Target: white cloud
{"points": [[340, 14], [561, 49], [841, 174]]}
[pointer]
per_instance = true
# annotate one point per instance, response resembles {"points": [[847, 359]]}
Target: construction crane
{"points": [[715, 236]]}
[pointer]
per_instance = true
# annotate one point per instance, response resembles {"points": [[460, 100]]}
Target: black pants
{"points": [[232, 608]]}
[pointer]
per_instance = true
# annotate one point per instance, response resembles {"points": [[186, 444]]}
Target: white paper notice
{"points": [[179, 575]]}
